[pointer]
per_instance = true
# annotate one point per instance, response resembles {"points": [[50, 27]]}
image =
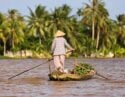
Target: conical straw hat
{"points": [[59, 33]]}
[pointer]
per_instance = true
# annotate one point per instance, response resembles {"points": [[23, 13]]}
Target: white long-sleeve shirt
{"points": [[59, 46]]}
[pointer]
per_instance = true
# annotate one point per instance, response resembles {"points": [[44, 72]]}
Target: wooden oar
{"points": [[98, 74], [29, 69]]}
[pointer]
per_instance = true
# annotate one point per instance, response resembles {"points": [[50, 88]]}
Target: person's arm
{"points": [[68, 46]]}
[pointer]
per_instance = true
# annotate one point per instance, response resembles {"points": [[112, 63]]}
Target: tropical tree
{"points": [[121, 19], [90, 14], [121, 29], [102, 26], [107, 37], [95, 16], [16, 26], [62, 20], [4, 31], [37, 22]]}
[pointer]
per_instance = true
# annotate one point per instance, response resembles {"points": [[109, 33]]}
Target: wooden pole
{"points": [[29, 69]]}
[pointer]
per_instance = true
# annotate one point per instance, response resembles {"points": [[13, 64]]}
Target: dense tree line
{"points": [[89, 31]]}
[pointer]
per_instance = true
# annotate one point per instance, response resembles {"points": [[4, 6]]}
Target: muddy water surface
{"points": [[35, 83]]}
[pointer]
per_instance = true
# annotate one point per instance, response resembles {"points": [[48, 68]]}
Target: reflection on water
{"points": [[35, 83]]}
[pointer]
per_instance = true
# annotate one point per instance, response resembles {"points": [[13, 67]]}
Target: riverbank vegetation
{"points": [[90, 31]]}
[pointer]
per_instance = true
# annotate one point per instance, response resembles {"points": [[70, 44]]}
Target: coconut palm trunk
{"points": [[12, 40], [4, 52], [97, 40], [93, 29]]}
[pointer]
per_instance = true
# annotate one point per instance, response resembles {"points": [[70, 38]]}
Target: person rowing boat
{"points": [[58, 49]]}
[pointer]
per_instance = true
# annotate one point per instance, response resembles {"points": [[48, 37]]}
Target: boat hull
{"points": [[70, 77]]}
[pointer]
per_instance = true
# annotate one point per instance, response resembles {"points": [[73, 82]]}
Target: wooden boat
{"points": [[81, 71], [58, 76]]}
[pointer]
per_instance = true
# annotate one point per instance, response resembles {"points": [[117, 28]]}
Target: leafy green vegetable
{"points": [[83, 68]]}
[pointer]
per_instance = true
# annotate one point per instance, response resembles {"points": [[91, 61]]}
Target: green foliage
{"points": [[83, 68], [92, 32], [15, 49], [120, 52]]}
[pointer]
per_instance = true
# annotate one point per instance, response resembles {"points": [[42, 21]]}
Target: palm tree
{"points": [[107, 36], [90, 14], [16, 25], [4, 31], [121, 19], [37, 22], [102, 24], [95, 16], [61, 20], [121, 29]]}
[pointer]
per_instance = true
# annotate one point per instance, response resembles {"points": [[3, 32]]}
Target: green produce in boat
{"points": [[81, 71]]}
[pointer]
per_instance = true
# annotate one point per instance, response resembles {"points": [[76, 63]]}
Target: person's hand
{"points": [[69, 52], [72, 49]]}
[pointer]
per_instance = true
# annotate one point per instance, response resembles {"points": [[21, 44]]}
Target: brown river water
{"points": [[35, 83]]}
